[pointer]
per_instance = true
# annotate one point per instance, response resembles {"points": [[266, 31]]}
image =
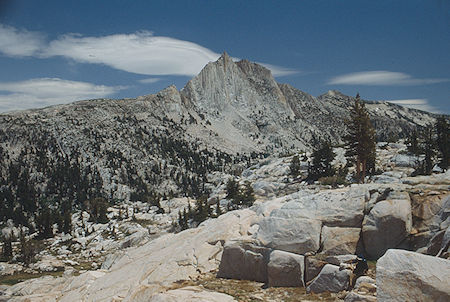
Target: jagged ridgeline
{"points": [[167, 143]]}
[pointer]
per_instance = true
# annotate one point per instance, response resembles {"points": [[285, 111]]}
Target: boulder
{"points": [[357, 297], [290, 234], [191, 293], [339, 208], [313, 266], [285, 269], [363, 281], [445, 242], [386, 226], [403, 160], [244, 260], [435, 244], [409, 276], [339, 259], [426, 208], [339, 241], [374, 198], [385, 179], [330, 279]]}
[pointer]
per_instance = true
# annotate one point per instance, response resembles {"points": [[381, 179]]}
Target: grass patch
{"points": [[20, 277], [144, 223]]}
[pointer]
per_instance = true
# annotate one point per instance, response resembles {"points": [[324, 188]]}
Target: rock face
{"points": [[285, 269], [296, 226], [339, 241], [386, 226], [335, 208], [409, 276], [288, 234], [330, 279], [191, 293], [146, 270], [313, 266], [244, 260]]}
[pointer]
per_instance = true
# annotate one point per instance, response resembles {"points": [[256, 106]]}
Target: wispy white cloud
{"points": [[278, 71], [140, 52], [421, 104], [381, 78], [49, 91], [149, 80], [20, 43]]}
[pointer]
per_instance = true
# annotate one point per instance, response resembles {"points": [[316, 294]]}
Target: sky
{"points": [[54, 52]]}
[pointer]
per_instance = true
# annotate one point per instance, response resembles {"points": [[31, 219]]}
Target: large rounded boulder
{"points": [[386, 226], [409, 276]]}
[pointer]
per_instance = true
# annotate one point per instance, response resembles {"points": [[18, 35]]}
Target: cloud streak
{"points": [[149, 80], [381, 78], [139, 53], [20, 43], [421, 104], [43, 92]]}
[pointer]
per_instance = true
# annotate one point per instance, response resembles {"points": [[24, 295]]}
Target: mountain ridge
{"points": [[230, 113]]}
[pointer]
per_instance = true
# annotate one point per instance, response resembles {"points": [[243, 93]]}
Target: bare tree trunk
{"points": [[358, 169], [364, 167]]}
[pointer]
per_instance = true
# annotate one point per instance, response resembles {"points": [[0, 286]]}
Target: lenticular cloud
{"points": [[140, 53]]}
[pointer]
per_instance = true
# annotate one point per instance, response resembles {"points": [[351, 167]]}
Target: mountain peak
{"points": [[225, 56]]}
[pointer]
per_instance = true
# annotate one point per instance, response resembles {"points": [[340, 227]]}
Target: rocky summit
{"points": [[190, 195]]}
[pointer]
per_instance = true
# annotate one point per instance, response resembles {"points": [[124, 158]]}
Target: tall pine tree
{"points": [[443, 141], [360, 140]]}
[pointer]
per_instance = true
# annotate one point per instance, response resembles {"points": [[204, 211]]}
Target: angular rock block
{"points": [[409, 276], [339, 241], [357, 297], [313, 266], [285, 269], [244, 260], [291, 235], [386, 226], [330, 279]]}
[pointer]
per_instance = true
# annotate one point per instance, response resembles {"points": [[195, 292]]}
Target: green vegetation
{"points": [[321, 166], [7, 250], [433, 144], [20, 277], [294, 167], [240, 196], [442, 129], [360, 140]]}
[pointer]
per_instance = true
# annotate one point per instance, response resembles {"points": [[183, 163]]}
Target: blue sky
{"points": [[57, 51]]}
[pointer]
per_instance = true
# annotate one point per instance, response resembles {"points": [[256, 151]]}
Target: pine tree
{"points": [[44, 223], [232, 189], [247, 195], [360, 140], [27, 250], [7, 251], [412, 143], [443, 141], [218, 209], [429, 151], [294, 167], [321, 162], [67, 222]]}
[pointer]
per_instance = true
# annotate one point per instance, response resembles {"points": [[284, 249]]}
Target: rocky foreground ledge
{"points": [[304, 240]]}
